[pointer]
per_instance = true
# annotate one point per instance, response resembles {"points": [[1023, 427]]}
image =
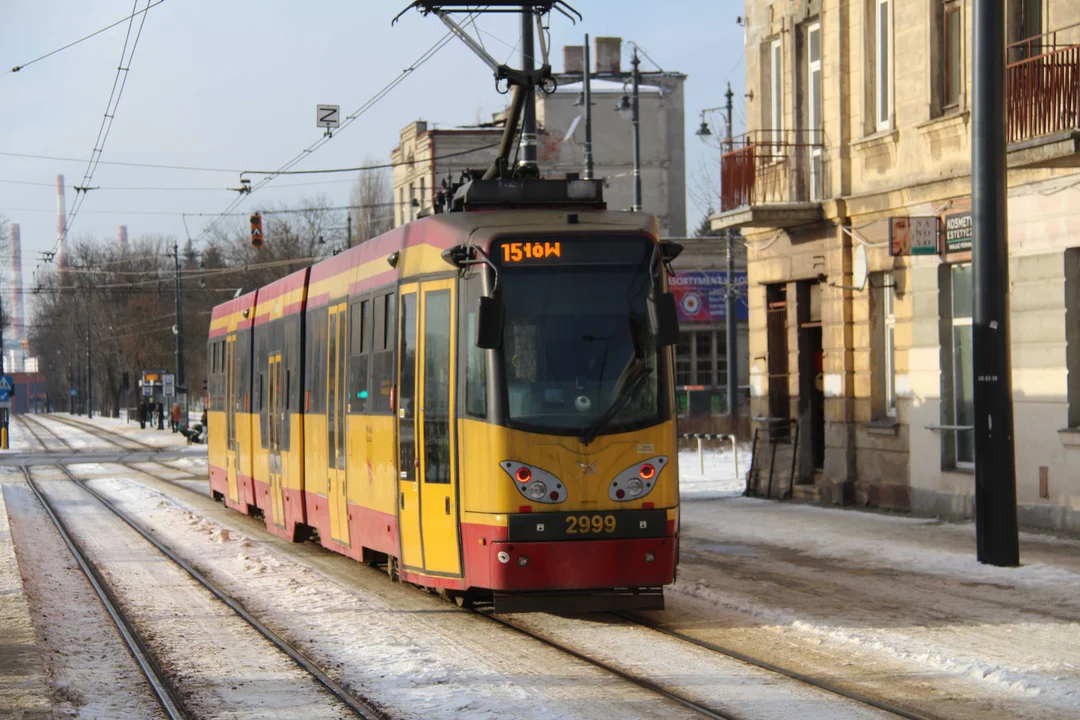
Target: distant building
{"points": [[859, 124], [421, 163]]}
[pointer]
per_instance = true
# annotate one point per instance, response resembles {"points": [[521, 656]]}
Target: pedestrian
{"points": [[175, 416], [160, 415], [143, 412]]}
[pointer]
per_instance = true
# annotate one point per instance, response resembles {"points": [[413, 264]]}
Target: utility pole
{"points": [[587, 94], [637, 136], [179, 327], [729, 305], [89, 367], [528, 121], [996, 535], [348, 227]]}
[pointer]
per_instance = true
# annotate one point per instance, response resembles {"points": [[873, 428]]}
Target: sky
{"points": [[234, 84]]}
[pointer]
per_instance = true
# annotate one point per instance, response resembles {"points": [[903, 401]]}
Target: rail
{"points": [[1042, 87], [772, 166]]}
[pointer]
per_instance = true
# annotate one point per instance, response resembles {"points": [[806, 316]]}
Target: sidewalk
{"points": [[902, 599]]}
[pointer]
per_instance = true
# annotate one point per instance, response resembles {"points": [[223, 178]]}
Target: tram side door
{"points": [[274, 429], [412, 551], [438, 480], [231, 449], [337, 494]]}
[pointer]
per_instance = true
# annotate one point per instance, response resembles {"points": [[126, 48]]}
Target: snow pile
{"points": [[719, 479]]}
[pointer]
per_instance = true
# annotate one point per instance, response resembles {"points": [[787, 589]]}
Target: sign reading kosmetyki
{"points": [[958, 232]]}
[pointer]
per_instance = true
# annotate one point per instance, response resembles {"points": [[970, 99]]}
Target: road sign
{"points": [[168, 384], [327, 116], [73, 392], [5, 404], [7, 387], [147, 390]]}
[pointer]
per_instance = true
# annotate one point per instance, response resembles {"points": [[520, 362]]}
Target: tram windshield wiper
{"points": [[616, 405]]}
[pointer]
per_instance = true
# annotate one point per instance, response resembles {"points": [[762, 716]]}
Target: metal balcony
{"points": [[1042, 91], [772, 179]]}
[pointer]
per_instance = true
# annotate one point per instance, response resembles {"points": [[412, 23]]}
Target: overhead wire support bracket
{"points": [[493, 6]]}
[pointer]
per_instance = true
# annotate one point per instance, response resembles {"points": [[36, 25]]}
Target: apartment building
{"points": [[858, 154]]}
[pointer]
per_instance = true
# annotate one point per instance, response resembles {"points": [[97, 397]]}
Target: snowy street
{"points": [[891, 607]]}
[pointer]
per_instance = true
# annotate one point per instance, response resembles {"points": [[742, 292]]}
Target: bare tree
{"points": [[372, 203]]}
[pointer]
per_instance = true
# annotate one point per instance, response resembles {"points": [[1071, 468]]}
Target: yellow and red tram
{"points": [[483, 400]]}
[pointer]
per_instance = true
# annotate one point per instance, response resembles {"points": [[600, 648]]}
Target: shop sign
{"points": [[913, 235], [958, 232], [701, 295]]}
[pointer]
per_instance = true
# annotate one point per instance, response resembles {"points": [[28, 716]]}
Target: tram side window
{"points": [[317, 385], [360, 341], [475, 359], [261, 338], [384, 318], [242, 370]]}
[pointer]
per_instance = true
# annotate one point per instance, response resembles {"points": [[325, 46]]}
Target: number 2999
{"points": [[589, 524]]}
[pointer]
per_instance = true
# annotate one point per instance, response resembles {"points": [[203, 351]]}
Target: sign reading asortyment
{"points": [[958, 232], [327, 116]]}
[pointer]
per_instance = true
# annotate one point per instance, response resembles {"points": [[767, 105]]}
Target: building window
{"points": [[684, 360], [776, 93], [421, 194], [960, 410], [951, 54], [401, 206], [815, 115], [883, 57]]}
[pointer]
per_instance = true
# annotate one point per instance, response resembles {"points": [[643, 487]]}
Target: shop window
{"points": [[958, 436], [1072, 334], [883, 336]]}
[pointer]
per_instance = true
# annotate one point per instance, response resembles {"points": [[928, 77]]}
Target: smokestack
{"points": [[61, 223], [123, 237], [16, 308]]}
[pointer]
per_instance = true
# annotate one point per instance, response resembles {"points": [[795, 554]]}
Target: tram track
{"points": [[174, 709], [110, 436], [801, 678], [24, 419], [645, 683]]}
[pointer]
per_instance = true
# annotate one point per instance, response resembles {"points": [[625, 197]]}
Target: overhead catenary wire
{"points": [[24, 65], [349, 119], [117, 92]]}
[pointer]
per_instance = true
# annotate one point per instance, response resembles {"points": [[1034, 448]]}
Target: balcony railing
{"points": [[772, 167], [1042, 86]]}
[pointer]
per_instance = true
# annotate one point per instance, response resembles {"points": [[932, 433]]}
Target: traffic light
{"points": [[204, 386], [256, 231]]}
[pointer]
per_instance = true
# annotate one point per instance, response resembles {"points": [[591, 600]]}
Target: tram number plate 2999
{"points": [[590, 524], [528, 527]]}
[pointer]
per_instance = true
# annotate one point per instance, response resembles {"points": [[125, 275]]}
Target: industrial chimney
{"points": [[18, 328], [61, 223], [122, 236]]}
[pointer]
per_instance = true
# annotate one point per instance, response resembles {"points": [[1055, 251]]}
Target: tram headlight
{"points": [[535, 484], [536, 490], [638, 480]]}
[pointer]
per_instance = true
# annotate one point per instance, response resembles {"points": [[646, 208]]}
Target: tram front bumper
{"points": [[582, 564]]}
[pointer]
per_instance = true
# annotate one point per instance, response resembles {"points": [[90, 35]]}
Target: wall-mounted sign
{"points": [[701, 295], [958, 232], [913, 235]]}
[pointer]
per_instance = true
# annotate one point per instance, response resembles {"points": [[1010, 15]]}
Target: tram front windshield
{"points": [[576, 338]]}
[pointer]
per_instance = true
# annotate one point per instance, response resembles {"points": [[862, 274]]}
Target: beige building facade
{"points": [[859, 147]]}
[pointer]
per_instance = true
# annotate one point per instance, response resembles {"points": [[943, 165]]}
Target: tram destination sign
{"points": [[513, 252], [958, 232]]}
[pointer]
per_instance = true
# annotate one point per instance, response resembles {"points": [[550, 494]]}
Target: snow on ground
{"points": [[416, 655], [719, 478]]}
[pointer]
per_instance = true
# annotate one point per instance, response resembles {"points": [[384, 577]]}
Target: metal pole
{"points": [[701, 455], [89, 367], [732, 339], [588, 113], [179, 326], [348, 227], [996, 535], [735, 455], [528, 122], [637, 137]]}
